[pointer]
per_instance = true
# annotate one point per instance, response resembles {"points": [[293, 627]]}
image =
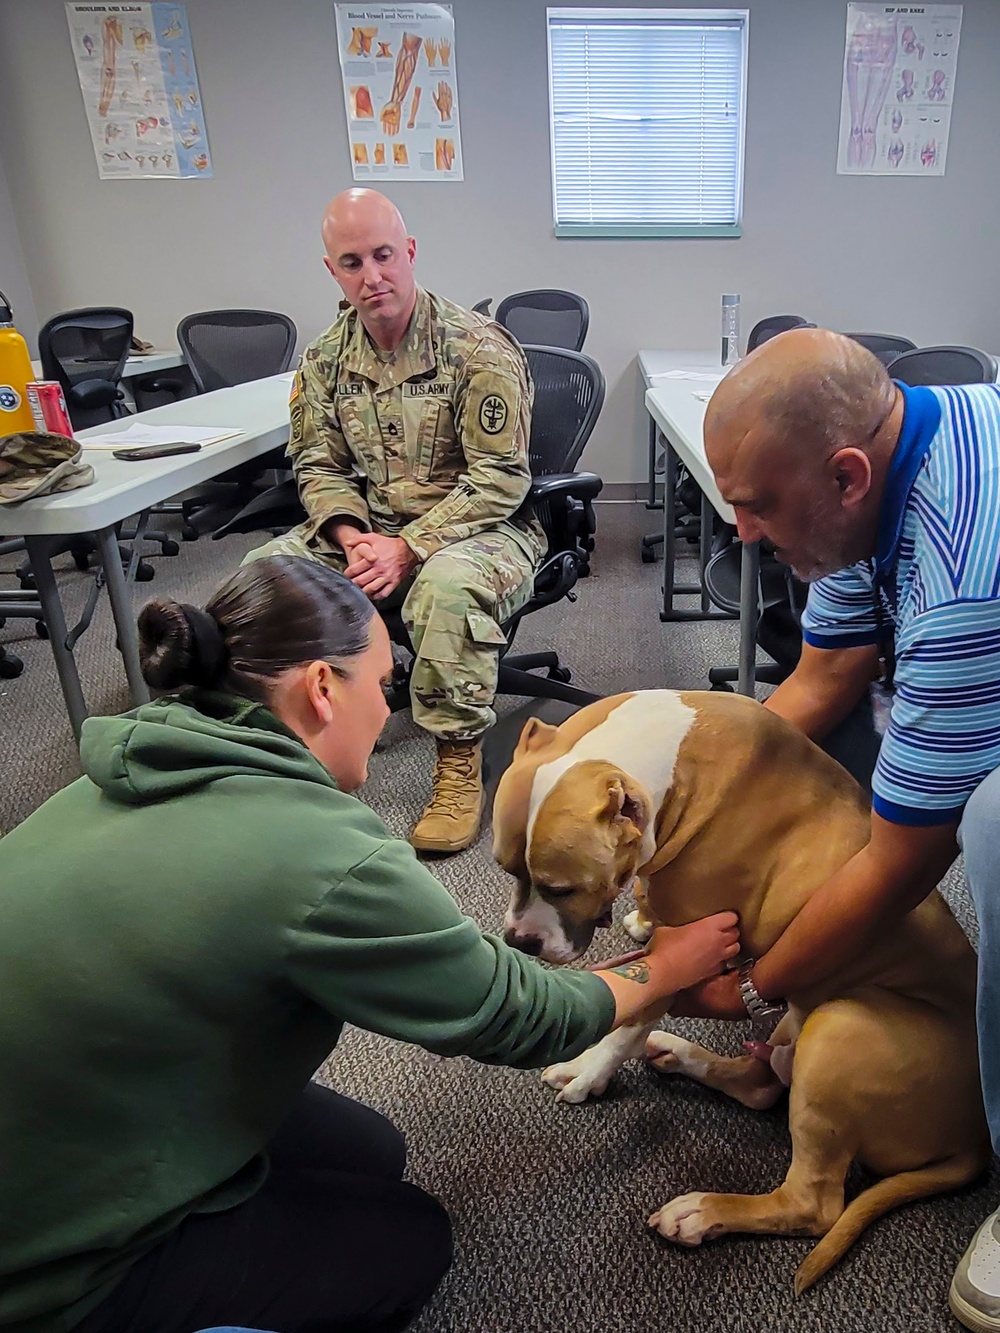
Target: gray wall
{"points": [[918, 257], [13, 273]]}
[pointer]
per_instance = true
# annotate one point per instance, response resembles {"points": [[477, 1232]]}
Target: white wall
{"points": [[913, 256], [13, 273]]}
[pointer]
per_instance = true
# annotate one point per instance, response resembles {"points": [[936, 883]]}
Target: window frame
{"points": [[642, 231]]}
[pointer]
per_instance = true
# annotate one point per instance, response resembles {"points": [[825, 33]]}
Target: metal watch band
{"points": [[754, 1003]]}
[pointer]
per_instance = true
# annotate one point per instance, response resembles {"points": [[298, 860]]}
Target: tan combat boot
{"points": [[450, 821]]}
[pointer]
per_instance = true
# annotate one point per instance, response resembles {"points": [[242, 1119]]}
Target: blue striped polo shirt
{"points": [[937, 575]]}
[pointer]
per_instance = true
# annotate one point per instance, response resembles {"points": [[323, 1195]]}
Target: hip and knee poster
{"points": [[140, 89], [899, 84], [400, 91]]}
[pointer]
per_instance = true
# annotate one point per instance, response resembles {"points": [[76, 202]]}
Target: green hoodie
{"points": [[184, 932]]}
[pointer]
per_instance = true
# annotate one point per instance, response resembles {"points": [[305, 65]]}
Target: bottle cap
{"points": [[731, 300]]}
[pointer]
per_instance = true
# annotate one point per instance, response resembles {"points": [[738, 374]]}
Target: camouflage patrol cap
{"points": [[40, 463]]}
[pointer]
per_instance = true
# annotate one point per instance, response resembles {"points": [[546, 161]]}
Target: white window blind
{"points": [[647, 110]]}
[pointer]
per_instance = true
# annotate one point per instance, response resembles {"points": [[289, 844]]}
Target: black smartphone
{"points": [[142, 451]]}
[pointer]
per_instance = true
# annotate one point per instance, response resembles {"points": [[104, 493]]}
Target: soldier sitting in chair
{"points": [[410, 423]]}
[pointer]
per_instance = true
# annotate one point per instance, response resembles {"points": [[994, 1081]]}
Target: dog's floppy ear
{"points": [[626, 803], [534, 735]]}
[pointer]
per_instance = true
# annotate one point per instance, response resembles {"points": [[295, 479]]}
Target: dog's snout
{"points": [[526, 943]]}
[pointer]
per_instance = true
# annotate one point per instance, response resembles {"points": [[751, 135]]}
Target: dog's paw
{"points": [[578, 1079], [685, 1220], [671, 1054], [638, 927]]}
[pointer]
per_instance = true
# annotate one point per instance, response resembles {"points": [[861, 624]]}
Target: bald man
{"points": [[886, 499], [410, 424]]}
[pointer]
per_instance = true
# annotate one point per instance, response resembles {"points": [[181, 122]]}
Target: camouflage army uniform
{"points": [[431, 445]]}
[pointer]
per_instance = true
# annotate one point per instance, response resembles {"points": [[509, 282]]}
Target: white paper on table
{"points": [[139, 434], [708, 375], [703, 394]]}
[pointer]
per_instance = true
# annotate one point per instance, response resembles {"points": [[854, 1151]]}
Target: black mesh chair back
{"points": [[772, 326], [227, 347], [886, 346], [86, 350], [945, 365], [547, 318], [569, 395]]}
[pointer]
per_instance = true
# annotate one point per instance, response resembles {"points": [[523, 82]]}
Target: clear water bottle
{"points": [[730, 330]]}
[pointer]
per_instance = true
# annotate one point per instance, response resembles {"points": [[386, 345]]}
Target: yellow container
{"points": [[16, 372]]}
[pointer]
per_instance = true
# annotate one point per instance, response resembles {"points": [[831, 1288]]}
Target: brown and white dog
{"points": [[710, 802]]}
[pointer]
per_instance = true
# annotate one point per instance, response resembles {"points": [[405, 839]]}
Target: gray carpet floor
{"points": [[549, 1202]]}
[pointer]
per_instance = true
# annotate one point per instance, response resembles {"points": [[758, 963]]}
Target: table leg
{"points": [[121, 609], [669, 528], [55, 621], [749, 575], [651, 500], [705, 549]]}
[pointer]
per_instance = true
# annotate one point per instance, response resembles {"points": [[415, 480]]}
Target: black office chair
{"points": [[944, 365], [546, 318], [86, 350], [223, 348], [569, 394], [483, 307], [772, 326], [886, 346]]}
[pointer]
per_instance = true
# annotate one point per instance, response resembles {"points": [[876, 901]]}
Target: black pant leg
{"points": [[317, 1249]]}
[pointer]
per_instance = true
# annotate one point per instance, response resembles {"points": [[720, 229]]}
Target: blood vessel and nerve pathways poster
{"points": [[400, 91], [140, 89]]}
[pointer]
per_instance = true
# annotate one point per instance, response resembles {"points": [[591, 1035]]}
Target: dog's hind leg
{"points": [[590, 1073], [806, 1203], [746, 1078]]}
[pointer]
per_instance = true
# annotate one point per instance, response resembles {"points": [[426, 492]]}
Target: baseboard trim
{"points": [[622, 492]]}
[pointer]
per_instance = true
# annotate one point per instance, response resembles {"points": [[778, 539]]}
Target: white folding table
{"points": [[259, 410], [677, 409]]}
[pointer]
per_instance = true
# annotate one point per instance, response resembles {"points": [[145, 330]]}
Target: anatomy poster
{"points": [[899, 84], [401, 92], [140, 89]]}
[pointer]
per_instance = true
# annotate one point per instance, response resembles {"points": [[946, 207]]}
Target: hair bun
{"points": [[180, 645]]}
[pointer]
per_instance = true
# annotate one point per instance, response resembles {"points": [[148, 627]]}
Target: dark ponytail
{"points": [[279, 612]]}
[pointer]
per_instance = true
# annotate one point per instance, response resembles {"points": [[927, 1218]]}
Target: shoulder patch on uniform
{"points": [[493, 414], [295, 391]]}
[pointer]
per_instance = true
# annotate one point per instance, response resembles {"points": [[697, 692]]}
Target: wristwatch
{"points": [[756, 1006]]}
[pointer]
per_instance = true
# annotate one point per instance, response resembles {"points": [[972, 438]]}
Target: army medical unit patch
{"points": [[493, 414]]}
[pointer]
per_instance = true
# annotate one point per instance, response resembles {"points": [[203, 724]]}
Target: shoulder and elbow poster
{"points": [[400, 91], [140, 89], [899, 83]]}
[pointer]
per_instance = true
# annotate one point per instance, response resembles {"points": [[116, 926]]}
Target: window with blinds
{"points": [[647, 118]]}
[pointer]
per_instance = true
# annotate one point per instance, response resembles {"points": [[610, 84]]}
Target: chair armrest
{"points": [[92, 393], [580, 485]]}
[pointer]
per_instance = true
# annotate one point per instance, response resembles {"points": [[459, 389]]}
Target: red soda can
{"points": [[48, 407]]}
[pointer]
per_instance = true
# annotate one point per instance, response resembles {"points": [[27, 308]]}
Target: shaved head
{"points": [[354, 211], [371, 256], [798, 436]]}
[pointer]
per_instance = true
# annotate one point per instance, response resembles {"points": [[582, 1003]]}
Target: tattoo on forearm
{"points": [[634, 972]]}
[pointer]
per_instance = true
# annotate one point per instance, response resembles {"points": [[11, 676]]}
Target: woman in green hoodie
{"points": [[186, 929]]}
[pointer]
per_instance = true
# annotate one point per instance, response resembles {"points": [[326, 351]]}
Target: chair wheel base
{"points": [[10, 667], [649, 556], [41, 629], [560, 673], [169, 548], [144, 572], [721, 688]]}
